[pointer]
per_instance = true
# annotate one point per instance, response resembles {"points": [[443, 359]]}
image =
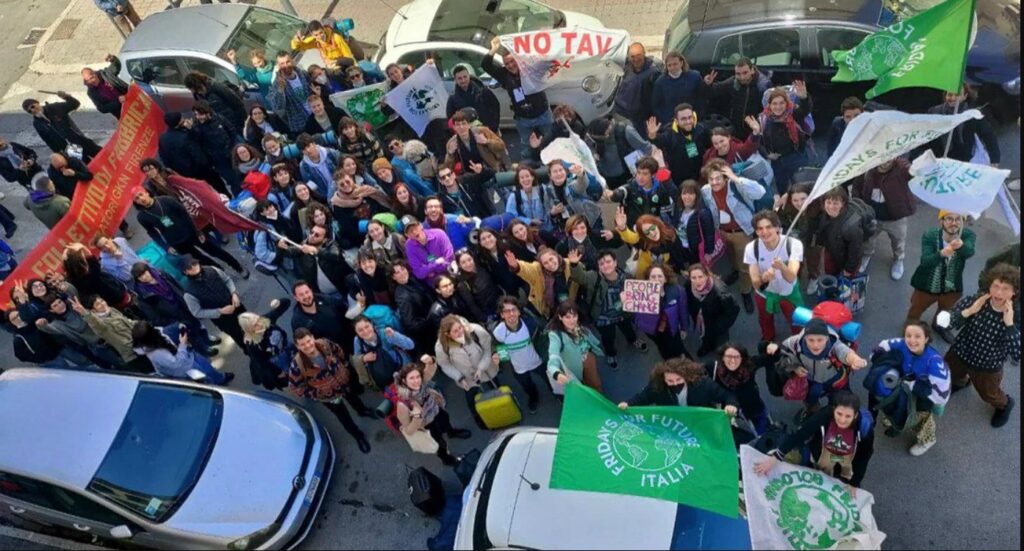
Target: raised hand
{"points": [[513, 262], [534, 140], [232, 56], [753, 123], [800, 87], [652, 127], [710, 77], [76, 305], [620, 218], [477, 168], [1008, 314], [574, 256]]}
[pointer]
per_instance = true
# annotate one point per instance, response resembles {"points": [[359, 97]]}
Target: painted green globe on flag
{"points": [[929, 49], [679, 454]]}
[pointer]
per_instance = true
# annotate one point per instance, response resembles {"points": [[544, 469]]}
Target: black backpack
{"points": [[865, 214]]}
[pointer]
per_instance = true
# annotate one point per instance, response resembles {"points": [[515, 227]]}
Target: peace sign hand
{"points": [[710, 77], [620, 218]]}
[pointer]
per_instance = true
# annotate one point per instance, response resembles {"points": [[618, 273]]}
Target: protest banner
{"points": [[874, 138], [420, 98], [574, 151], [956, 186], [928, 49], [204, 205], [640, 296], [685, 455], [551, 56], [363, 104], [801, 508], [100, 204]]}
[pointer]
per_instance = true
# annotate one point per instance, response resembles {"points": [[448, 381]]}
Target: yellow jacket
{"points": [[643, 259], [533, 274], [333, 49]]}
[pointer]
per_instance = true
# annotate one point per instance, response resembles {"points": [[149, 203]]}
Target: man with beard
{"points": [[320, 262], [353, 203], [464, 195], [216, 136], [57, 129], [470, 92], [323, 315], [211, 294], [288, 93], [963, 145], [742, 93], [940, 276], [456, 226], [684, 142], [531, 111]]}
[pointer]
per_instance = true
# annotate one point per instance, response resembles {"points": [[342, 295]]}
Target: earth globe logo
{"points": [[813, 517], [878, 54], [421, 100], [647, 447]]}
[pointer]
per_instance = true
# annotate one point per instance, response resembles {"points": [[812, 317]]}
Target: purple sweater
{"points": [[423, 258], [673, 304]]}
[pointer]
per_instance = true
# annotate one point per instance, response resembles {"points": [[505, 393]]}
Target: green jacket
{"points": [[49, 210], [934, 271], [116, 330]]}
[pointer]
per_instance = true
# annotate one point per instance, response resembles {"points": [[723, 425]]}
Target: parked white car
{"points": [[508, 504], [459, 32], [158, 463]]}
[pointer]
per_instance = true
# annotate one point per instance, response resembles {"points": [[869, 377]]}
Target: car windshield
{"points": [[264, 30], [454, 23], [679, 31], [160, 449]]}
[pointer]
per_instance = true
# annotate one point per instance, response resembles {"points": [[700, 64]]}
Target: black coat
{"points": [[66, 185], [843, 239], [109, 75], [329, 259], [478, 295], [477, 97], [253, 133], [705, 393], [962, 147], [56, 128], [328, 322], [262, 354], [334, 114], [472, 200], [181, 152], [226, 103], [674, 144], [179, 227], [747, 394], [216, 137], [412, 300], [13, 173], [719, 309]]}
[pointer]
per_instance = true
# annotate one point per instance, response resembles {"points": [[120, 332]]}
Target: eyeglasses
{"points": [[394, 145], [446, 175]]}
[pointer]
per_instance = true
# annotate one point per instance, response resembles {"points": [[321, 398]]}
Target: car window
{"points": [[212, 70], [264, 30], [160, 450], [456, 21], [679, 31], [56, 499], [767, 48], [448, 60], [832, 38], [157, 70]]}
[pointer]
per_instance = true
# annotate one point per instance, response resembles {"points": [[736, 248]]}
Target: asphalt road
{"points": [[964, 493]]}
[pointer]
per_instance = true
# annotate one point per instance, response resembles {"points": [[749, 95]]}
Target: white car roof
{"points": [[414, 26], [58, 424], [562, 519]]}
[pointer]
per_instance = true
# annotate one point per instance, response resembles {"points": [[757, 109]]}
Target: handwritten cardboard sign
{"points": [[641, 297]]}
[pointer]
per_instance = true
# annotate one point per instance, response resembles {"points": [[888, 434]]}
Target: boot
{"points": [[1001, 416], [748, 302], [363, 443]]}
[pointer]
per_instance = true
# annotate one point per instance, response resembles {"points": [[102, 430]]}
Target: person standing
{"points": [[939, 278], [44, 202], [57, 129], [572, 349], [531, 112], [320, 373], [464, 352], [678, 85], [216, 136], [469, 92], [682, 382], [743, 92], [850, 109], [783, 139], [223, 100], [121, 12], [683, 141], [18, 163], [886, 188], [712, 309], [841, 234], [380, 356], [181, 151], [267, 346], [420, 407], [989, 334], [967, 135], [211, 294], [646, 194], [288, 93], [633, 100], [774, 263], [106, 90], [429, 251], [334, 49], [517, 340], [322, 314], [667, 327]]}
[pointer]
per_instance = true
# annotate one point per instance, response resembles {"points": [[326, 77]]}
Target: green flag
{"points": [[929, 49], [679, 454]]}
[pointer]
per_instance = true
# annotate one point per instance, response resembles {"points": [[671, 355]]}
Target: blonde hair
{"points": [[253, 326]]}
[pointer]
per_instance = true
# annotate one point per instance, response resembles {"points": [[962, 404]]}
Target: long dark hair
{"points": [[148, 337], [567, 307]]}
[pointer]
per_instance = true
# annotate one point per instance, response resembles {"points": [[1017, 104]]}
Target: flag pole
{"points": [[963, 77]]}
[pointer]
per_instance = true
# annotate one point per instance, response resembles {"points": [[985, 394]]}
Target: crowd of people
{"points": [[405, 256]]}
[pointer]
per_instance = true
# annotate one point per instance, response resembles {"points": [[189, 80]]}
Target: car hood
{"points": [[248, 478]]}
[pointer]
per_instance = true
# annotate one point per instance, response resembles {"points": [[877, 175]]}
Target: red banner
{"points": [[204, 205], [101, 204]]}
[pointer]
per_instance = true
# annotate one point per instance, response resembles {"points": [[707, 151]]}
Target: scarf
{"points": [[253, 164], [160, 287], [733, 379], [387, 246], [427, 401], [700, 295], [786, 118]]}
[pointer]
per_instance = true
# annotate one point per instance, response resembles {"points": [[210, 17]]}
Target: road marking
{"points": [[41, 539]]}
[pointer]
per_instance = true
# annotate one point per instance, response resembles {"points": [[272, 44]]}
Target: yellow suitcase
{"points": [[498, 407]]}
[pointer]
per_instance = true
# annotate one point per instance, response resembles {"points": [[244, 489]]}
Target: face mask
{"points": [[461, 340], [357, 82], [676, 389], [321, 79]]}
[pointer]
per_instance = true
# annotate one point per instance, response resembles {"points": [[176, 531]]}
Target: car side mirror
{"points": [[121, 532]]}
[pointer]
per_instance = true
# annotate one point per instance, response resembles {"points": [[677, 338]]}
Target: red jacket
{"points": [[895, 186], [737, 150]]}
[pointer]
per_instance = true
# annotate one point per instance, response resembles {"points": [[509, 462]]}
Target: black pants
{"points": [[670, 346], [341, 412], [228, 323], [90, 148], [526, 381], [212, 249], [607, 333], [439, 429], [7, 220]]}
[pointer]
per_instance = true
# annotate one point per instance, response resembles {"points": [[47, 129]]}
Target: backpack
{"points": [[866, 217], [391, 419], [757, 248], [382, 317]]}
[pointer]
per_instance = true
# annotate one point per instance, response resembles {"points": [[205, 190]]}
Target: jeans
{"points": [[526, 381], [541, 124], [897, 232], [7, 220], [439, 428], [607, 333], [785, 168], [202, 363]]}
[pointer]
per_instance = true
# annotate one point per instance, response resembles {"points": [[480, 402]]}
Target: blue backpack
{"points": [[382, 317]]}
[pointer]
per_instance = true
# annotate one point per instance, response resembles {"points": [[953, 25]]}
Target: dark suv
{"points": [[791, 39]]}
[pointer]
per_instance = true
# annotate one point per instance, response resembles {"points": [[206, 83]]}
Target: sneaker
{"points": [[1013, 185], [1001, 416], [919, 448], [10, 233], [812, 287], [748, 302], [640, 345], [531, 406], [363, 443], [612, 361], [896, 272], [244, 273], [864, 261], [944, 332], [228, 377]]}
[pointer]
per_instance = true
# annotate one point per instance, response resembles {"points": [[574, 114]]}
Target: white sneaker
{"points": [[897, 269], [919, 449], [1013, 185], [812, 287], [864, 264]]}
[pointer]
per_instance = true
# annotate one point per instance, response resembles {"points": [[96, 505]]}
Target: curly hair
{"points": [[1003, 273], [691, 372]]}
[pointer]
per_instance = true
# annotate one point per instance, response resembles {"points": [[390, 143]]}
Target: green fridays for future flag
{"points": [[929, 49], [679, 454]]}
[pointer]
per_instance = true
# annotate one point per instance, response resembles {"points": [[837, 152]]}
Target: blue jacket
{"points": [[740, 199], [411, 177], [537, 206], [670, 92], [309, 172], [927, 372]]}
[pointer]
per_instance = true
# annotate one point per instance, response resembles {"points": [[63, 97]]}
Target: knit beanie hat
{"points": [[945, 213], [381, 163], [816, 327]]}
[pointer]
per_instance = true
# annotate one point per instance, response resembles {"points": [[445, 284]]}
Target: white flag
{"points": [[956, 186], [420, 98], [551, 56], [874, 138], [574, 151], [800, 508]]}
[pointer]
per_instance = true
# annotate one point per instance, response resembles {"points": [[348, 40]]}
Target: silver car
{"points": [[168, 45], [159, 463]]}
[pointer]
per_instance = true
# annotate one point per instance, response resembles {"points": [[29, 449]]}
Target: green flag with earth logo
{"points": [[679, 454], [929, 49]]}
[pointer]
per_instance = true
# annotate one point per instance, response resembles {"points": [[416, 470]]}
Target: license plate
{"points": [[311, 491]]}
